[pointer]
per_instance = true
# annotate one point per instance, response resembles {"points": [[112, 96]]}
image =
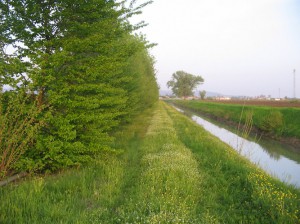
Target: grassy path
{"points": [[170, 171], [168, 188]]}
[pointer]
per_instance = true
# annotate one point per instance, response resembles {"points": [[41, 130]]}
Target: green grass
{"points": [[168, 170], [84, 195], [168, 188], [274, 121], [76, 196], [234, 190]]}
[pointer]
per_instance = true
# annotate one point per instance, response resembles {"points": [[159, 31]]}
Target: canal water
{"points": [[277, 159]]}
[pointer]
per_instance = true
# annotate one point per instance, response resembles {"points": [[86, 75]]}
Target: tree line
{"points": [[77, 72]]}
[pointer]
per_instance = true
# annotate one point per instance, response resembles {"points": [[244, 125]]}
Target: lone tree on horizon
{"points": [[202, 94], [183, 83]]}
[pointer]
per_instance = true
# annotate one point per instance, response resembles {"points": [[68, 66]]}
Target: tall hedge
{"points": [[88, 70]]}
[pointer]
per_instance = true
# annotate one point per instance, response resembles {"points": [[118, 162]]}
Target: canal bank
{"points": [[279, 160], [233, 186], [281, 124]]}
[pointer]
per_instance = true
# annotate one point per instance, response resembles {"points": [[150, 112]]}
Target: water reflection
{"points": [[276, 159], [278, 149]]}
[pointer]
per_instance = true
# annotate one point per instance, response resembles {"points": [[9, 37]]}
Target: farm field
{"points": [[166, 169], [276, 121], [268, 103]]}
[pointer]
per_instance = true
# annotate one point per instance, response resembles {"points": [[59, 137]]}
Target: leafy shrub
{"points": [[18, 127], [272, 122]]}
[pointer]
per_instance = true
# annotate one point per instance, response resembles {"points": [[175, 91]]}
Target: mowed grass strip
{"points": [[232, 189], [168, 189]]}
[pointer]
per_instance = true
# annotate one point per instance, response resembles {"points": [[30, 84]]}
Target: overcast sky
{"points": [[240, 47]]}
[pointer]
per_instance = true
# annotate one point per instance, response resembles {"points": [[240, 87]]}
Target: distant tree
{"points": [[202, 94], [183, 83]]}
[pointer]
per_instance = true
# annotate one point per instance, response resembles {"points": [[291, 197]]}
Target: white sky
{"points": [[240, 47]]}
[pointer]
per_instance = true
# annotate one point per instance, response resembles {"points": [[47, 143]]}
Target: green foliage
{"points": [[202, 94], [272, 122], [143, 89], [80, 61], [19, 125], [183, 83]]}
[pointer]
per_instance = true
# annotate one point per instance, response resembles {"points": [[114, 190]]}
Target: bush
{"points": [[18, 127], [272, 122]]}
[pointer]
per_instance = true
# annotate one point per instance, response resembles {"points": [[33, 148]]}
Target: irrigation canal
{"points": [[279, 160]]}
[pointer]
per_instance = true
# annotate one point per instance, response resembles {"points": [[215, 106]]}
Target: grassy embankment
{"points": [[171, 171], [273, 121]]}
